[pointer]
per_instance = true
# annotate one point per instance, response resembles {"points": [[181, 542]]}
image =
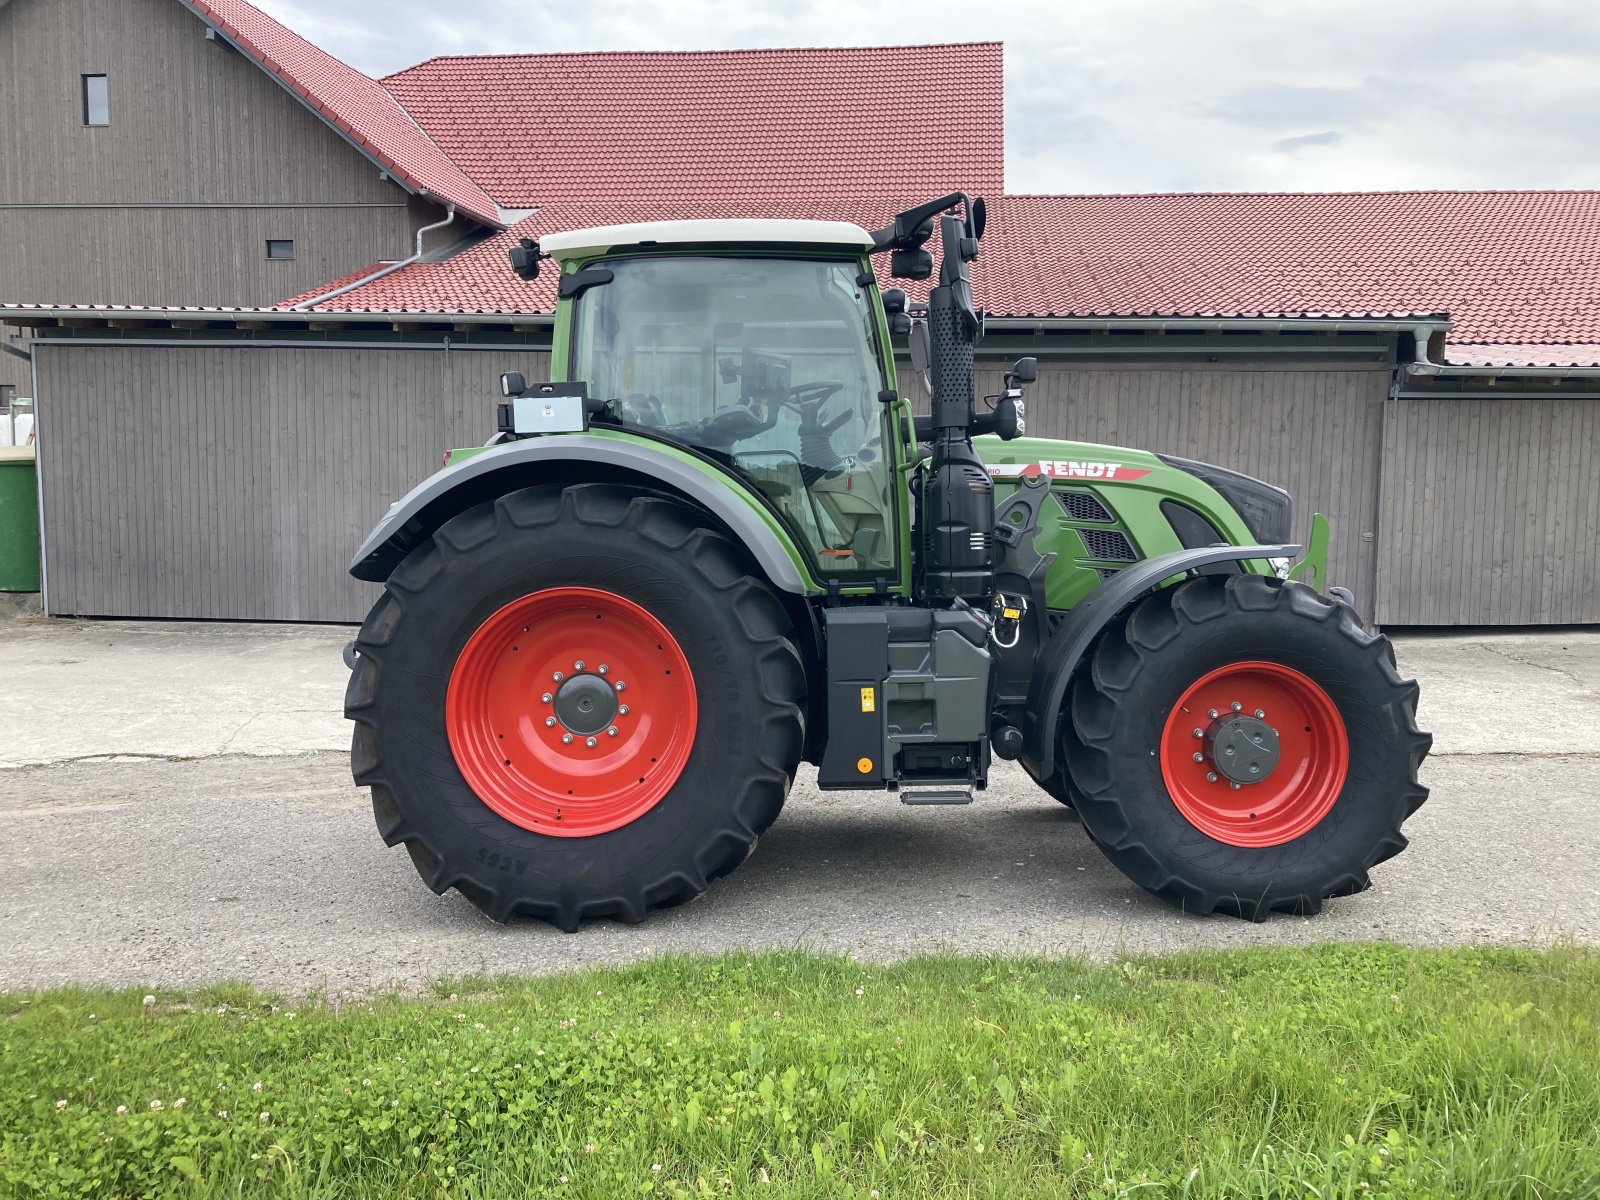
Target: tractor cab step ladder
{"points": [[953, 795]]}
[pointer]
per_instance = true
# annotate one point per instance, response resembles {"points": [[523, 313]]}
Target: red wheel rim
{"points": [[571, 712], [1233, 703]]}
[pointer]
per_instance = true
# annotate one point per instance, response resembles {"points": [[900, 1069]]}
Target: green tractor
{"points": [[721, 542]]}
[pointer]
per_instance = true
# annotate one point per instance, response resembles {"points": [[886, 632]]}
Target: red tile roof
{"points": [[354, 104], [1507, 266], [898, 121], [479, 279]]}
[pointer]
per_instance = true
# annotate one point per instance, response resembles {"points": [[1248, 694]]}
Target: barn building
{"points": [[219, 423]]}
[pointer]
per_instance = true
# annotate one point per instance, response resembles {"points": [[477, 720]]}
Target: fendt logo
{"points": [[1061, 469]]}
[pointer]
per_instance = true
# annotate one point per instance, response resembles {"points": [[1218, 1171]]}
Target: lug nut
{"points": [[1234, 786], [546, 697], [549, 722], [604, 668], [558, 677], [578, 666], [589, 742], [612, 732], [620, 685], [1211, 776], [623, 710], [1236, 706], [1199, 733], [566, 739], [1198, 757], [1261, 714], [1212, 713]]}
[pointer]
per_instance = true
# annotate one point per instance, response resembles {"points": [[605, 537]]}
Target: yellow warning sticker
{"points": [[869, 699]]}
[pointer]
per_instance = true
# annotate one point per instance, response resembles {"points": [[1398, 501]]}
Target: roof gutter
{"points": [[390, 269], [1213, 324]]}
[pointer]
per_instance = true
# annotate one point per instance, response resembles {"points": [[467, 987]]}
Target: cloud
{"points": [[1140, 95], [1291, 145]]}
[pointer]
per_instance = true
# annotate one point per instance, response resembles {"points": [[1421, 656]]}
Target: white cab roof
{"points": [[581, 243]]}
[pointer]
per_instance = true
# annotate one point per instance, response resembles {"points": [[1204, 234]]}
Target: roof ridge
{"points": [[724, 52]]}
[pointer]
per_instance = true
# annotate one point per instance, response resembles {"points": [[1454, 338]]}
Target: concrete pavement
{"points": [[229, 843]]}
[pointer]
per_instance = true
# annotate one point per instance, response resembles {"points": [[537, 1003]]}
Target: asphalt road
{"points": [[144, 871]]}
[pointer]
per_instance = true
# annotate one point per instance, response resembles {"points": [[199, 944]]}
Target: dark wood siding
{"points": [[169, 256], [1314, 430], [237, 483], [205, 157], [1490, 512], [191, 121]]}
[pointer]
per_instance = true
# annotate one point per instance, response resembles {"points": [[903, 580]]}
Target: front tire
{"points": [[575, 703], [1242, 744]]}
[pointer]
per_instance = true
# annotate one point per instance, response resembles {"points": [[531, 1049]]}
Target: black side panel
{"points": [[1266, 510], [1077, 632], [1194, 531], [858, 663]]}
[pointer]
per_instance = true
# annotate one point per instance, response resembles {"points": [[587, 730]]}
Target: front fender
{"points": [[501, 468], [1076, 634]]}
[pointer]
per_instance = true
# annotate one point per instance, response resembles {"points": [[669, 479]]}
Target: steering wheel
{"points": [[721, 430]]}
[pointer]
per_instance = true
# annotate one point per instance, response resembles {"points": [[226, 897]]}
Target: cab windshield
{"points": [[769, 366]]}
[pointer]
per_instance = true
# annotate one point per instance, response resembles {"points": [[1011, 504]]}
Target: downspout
{"points": [[390, 269], [1421, 364]]}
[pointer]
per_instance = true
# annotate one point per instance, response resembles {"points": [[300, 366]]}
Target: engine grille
{"points": [[1083, 506], [1107, 545]]}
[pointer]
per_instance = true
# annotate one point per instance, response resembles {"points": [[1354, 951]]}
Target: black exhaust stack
{"points": [[957, 511]]}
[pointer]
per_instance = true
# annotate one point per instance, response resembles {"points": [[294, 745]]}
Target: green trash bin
{"points": [[19, 520]]}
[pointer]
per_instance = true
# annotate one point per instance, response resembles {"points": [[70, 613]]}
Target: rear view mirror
{"points": [[921, 353], [512, 383], [1025, 370], [525, 259]]}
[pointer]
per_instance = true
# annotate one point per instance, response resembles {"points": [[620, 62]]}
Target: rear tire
{"points": [[445, 662], [1330, 808]]}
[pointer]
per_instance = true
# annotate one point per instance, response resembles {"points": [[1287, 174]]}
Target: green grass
{"points": [[1335, 1071]]}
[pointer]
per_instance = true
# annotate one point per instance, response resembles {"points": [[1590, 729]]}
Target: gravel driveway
{"points": [[178, 809]]}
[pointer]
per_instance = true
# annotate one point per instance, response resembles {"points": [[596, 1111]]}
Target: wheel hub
{"points": [[1242, 749], [1254, 753], [585, 704], [571, 711]]}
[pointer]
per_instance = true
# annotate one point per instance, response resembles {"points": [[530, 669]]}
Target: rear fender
{"points": [[581, 458], [1073, 638]]}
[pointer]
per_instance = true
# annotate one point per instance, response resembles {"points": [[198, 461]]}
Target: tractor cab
{"points": [[759, 345]]}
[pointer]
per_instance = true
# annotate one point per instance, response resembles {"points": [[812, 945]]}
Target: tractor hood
{"points": [[1236, 507]]}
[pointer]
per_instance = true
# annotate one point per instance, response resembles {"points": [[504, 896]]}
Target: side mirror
{"points": [[1025, 370], [921, 353], [525, 259], [512, 383], [1009, 422]]}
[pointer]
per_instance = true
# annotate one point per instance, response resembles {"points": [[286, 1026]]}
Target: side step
{"points": [[938, 796]]}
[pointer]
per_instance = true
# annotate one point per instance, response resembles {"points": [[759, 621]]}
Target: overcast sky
{"points": [[1137, 95]]}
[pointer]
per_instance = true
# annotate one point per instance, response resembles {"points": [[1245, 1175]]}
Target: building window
{"points": [[280, 248], [96, 100]]}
